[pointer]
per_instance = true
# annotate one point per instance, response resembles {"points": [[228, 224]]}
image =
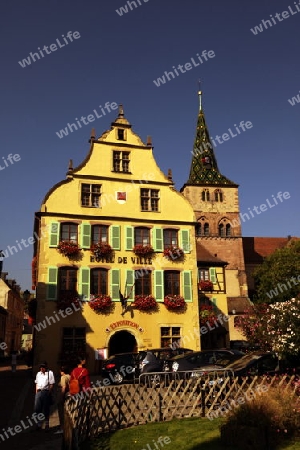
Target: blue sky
{"points": [[116, 59]]}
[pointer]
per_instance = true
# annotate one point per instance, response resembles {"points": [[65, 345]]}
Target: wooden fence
{"points": [[159, 398]]}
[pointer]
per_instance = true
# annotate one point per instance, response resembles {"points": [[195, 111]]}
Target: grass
{"points": [[184, 434]]}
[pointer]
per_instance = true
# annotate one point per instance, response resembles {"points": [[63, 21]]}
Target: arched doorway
{"points": [[122, 342]]}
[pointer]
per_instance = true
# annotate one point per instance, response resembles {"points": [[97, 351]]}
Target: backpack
{"points": [[74, 386]]}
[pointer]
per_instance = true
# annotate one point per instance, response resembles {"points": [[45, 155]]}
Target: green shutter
{"points": [[52, 283], [130, 284], [187, 285], [185, 241], [85, 235], [129, 241], [214, 302], [54, 234], [158, 243], [115, 236], [212, 275], [159, 285], [84, 283], [115, 284]]}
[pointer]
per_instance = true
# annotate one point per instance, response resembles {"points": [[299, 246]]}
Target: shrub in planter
{"points": [[173, 253], [68, 248], [174, 301], [100, 302], [142, 250], [144, 302], [206, 285], [101, 249]]}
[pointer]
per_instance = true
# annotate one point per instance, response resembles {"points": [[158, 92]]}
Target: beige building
{"points": [[114, 227]]}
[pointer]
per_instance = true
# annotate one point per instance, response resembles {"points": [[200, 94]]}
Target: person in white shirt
{"points": [[44, 383]]}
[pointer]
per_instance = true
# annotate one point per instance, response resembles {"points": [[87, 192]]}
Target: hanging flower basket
{"points": [[101, 249], [207, 315], [206, 285], [174, 301], [67, 299], [144, 302], [100, 302], [68, 248], [173, 253], [142, 250]]}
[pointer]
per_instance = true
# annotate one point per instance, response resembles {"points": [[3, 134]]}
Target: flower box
{"points": [[174, 302], [67, 299], [206, 285], [142, 250], [144, 302], [101, 249], [173, 253], [100, 302], [68, 248]]}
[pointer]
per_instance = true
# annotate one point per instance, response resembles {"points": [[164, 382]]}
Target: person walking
{"points": [[63, 390], [44, 382], [81, 374]]}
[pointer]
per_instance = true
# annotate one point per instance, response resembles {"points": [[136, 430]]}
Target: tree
{"points": [[278, 278], [273, 326]]}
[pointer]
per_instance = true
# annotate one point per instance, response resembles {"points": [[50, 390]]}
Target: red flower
{"points": [[140, 249], [207, 315], [173, 253], [174, 301], [101, 249], [68, 248], [66, 299], [144, 302], [206, 285], [100, 302]]}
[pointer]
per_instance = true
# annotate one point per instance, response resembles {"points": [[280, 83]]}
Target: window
{"points": [[203, 274], [149, 199], [69, 232], [206, 229], [224, 228], [73, 343], [168, 335], [99, 281], [142, 283], [67, 279], [141, 236], [99, 233], [228, 229], [205, 195], [170, 238], [171, 282], [218, 195], [121, 134], [90, 195], [121, 161]]}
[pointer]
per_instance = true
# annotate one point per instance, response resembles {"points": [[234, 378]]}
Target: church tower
{"points": [[215, 201]]}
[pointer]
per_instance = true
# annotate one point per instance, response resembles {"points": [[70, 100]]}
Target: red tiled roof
{"points": [[257, 248]]}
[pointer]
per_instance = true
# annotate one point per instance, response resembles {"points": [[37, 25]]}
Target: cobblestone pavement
{"points": [[17, 400]]}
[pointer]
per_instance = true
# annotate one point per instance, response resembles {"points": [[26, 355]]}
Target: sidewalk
{"points": [[17, 400]]}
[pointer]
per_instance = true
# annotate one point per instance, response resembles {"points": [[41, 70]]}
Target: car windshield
{"points": [[247, 359]]}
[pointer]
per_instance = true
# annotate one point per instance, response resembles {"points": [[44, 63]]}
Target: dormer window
{"points": [[121, 134]]}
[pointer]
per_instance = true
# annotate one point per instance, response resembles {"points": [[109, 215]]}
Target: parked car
{"points": [[255, 363], [120, 367], [217, 359], [155, 360]]}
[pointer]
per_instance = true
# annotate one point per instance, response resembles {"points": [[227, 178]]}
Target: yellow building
{"points": [[135, 237]]}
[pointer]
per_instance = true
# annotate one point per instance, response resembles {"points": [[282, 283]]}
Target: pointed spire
{"points": [[204, 167], [121, 111], [149, 141], [70, 169]]}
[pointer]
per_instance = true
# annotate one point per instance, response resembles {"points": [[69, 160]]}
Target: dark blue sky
{"points": [[116, 59]]}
